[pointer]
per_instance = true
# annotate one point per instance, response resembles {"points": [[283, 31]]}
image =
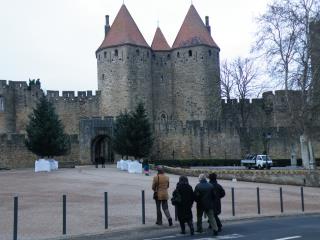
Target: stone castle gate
{"points": [[95, 140]]}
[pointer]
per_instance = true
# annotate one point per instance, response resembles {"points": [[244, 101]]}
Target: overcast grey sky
{"points": [[55, 40]]}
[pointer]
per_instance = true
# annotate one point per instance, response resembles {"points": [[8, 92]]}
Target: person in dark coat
{"points": [[184, 197], [205, 197], [220, 193]]}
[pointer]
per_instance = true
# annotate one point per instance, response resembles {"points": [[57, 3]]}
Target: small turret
{"points": [[107, 26], [208, 25]]}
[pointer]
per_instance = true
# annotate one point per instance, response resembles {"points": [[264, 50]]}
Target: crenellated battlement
{"points": [[17, 85], [238, 102], [72, 96]]}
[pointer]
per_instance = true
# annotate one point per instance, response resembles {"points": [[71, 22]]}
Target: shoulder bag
{"points": [[155, 194]]}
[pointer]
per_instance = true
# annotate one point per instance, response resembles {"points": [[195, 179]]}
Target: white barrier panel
{"points": [[134, 167], [119, 164], [54, 165], [43, 165], [124, 165], [130, 166]]}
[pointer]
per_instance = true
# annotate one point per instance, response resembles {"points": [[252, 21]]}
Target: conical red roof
{"points": [[124, 30], [193, 31], [159, 42]]}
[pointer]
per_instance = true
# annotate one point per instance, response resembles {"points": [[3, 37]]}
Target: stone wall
{"points": [[91, 128], [195, 140], [7, 112], [283, 177], [124, 79], [71, 108], [14, 154], [19, 100], [196, 76], [162, 86], [218, 140]]}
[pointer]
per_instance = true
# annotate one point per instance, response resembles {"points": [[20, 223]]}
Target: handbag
{"points": [[176, 198], [155, 193]]}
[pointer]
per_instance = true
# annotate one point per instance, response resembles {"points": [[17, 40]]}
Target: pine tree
{"points": [[121, 132], [140, 135], [45, 132]]}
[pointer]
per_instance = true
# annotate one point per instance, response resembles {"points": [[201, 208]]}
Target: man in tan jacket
{"points": [[160, 186]]}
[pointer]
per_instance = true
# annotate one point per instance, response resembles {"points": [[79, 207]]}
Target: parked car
{"points": [[257, 162]]}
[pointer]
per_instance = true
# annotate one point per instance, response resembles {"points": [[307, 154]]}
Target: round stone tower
{"points": [[124, 67], [195, 59], [162, 78]]}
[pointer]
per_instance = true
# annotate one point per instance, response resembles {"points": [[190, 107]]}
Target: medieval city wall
{"points": [[194, 140], [19, 100], [71, 107], [14, 154], [7, 108], [213, 140]]}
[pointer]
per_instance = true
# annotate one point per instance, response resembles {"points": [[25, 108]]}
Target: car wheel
{"points": [[259, 167], [249, 168]]}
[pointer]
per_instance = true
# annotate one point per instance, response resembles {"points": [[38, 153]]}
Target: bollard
{"points": [[15, 219], [258, 200], [302, 199], [281, 200], [175, 213], [233, 205], [143, 208], [105, 210], [64, 214]]}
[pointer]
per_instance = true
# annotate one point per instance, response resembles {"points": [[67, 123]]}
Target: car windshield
{"points": [[264, 157]]}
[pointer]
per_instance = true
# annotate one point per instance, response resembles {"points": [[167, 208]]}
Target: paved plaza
{"points": [[40, 200]]}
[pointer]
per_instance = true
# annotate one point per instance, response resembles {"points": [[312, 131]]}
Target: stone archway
{"points": [[101, 150]]}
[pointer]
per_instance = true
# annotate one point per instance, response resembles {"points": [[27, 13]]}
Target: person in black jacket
{"points": [[220, 193], [183, 199], [205, 197]]}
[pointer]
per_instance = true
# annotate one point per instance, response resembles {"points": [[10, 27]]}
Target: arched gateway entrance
{"points": [[95, 140], [101, 150]]}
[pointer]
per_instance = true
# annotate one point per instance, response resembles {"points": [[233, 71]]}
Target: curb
{"points": [[233, 220]]}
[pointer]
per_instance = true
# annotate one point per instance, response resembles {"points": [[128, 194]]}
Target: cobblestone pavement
{"points": [[40, 200]]}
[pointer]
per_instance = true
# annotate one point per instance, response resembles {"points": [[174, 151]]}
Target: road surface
{"points": [[304, 227]]}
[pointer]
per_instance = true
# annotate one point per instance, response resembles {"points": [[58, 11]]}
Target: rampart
{"points": [[220, 139], [71, 107], [14, 154]]}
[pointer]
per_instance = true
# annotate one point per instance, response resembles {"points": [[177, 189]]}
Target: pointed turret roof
{"points": [[124, 30], [159, 42], [193, 31]]}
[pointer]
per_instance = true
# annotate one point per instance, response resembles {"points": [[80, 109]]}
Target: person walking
{"points": [[205, 197], [146, 167], [220, 193], [160, 187], [183, 198]]}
